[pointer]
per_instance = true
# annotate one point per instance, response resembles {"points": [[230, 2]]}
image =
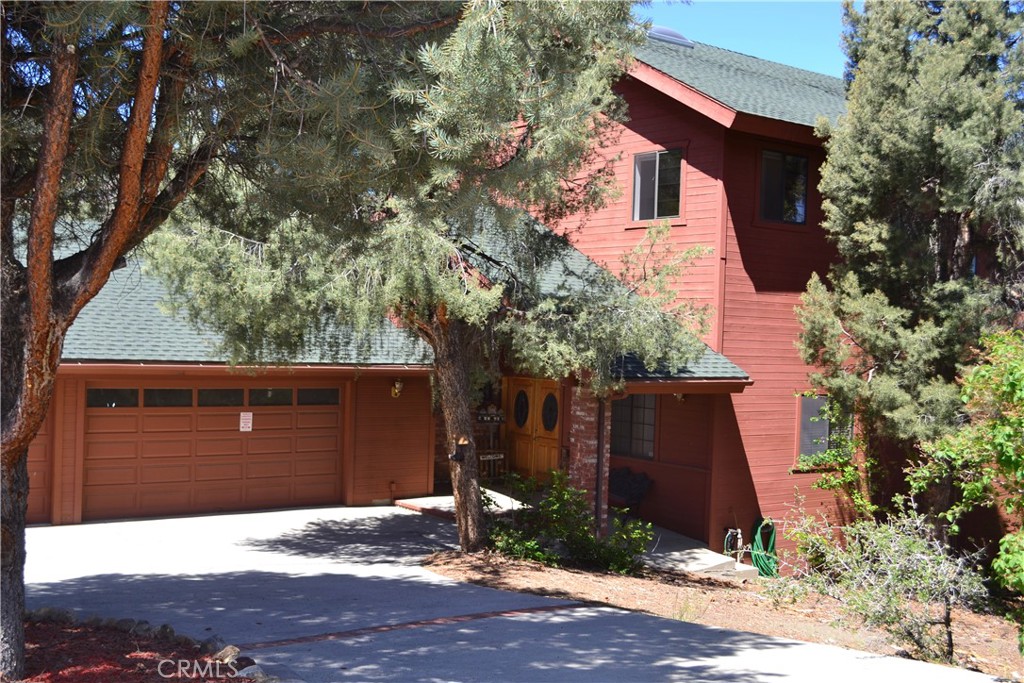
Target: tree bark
{"points": [[13, 508], [452, 374]]}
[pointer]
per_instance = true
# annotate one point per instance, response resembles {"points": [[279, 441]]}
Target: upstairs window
{"points": [[657, 180], [783, 187], [633, 426]]}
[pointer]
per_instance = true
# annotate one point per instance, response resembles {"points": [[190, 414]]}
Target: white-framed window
{"points": [[657, 184], [783, 187], [633, 426]]}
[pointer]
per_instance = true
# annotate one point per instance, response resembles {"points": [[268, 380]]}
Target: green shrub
{"points": [[897, 575], [559, 529]]}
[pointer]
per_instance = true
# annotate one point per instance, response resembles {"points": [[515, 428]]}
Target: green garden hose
{"points": [[762, 553]]}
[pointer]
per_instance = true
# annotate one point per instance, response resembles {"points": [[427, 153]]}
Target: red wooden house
{"points": [[721, 146], [146, 420]]}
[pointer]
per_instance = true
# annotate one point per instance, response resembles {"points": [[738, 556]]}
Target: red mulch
{"points": [[80, 653]]}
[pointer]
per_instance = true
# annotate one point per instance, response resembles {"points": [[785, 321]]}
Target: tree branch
{"points": [[42, 340], [172, 90], [321, 28], [117, 231]]}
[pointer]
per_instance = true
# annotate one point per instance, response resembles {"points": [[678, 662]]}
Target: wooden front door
{"points": [[533, 425]]}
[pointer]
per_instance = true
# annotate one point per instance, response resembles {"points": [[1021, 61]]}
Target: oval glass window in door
{"points": [[521, 409], [549, 413]]}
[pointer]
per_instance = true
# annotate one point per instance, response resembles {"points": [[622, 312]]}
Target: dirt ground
{"points": [[984, 642]]}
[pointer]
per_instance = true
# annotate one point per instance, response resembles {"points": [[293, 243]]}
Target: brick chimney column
{"points": [[586, 470]]}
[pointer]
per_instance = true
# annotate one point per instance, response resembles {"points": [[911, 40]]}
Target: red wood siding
{"points": [[682, 465], [766, 269], [40, 472], [753, 279], [393, 441], [658, 123]]}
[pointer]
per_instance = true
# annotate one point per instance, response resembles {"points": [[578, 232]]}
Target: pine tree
{"points": [[922, 185], [115, 113], [503, 117]]}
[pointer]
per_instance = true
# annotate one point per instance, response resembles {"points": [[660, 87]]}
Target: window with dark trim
{"points": [[633, 426], [657, 181], [167, 398], [213, 398], [814, 426], [326, 396], [783, 187], [112, 398], [270, 397]]}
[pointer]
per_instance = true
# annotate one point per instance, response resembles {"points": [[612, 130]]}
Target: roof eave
{"points": [[166, 368], [687, 386], [719, 112], [683, 93]]}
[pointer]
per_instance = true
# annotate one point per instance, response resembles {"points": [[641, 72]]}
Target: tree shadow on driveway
{"points": [[402, 539]]}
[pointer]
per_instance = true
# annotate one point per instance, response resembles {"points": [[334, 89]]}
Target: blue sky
{"points": [[803, 34]]}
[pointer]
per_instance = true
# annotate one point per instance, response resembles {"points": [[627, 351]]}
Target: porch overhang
{"points": [[709, 373], [688, 386]]}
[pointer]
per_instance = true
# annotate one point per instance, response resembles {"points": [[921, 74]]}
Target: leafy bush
{"points": [[559, 529], [896, 575]]}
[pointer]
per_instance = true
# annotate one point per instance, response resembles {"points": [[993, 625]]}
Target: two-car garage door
{"points": [[161, 449]]}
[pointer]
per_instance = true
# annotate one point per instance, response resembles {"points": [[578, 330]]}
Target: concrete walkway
{"points": [[338, 594], [669, 550]]}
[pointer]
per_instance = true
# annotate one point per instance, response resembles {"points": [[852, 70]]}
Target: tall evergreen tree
{"points": [[922, 185], [114, 113]]}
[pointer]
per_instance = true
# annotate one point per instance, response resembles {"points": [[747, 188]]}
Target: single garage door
{"points": [[159, 449]]}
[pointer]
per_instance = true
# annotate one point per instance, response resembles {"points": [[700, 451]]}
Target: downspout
{"points": [[599, 481]]}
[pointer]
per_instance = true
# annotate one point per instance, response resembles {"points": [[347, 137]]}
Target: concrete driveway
{"points": [[337, 594]]}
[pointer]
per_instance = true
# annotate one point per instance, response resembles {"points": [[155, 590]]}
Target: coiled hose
{"points": [[762, 551]]}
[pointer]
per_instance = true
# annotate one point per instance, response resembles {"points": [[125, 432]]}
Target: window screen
{"points": [[657, 180]]}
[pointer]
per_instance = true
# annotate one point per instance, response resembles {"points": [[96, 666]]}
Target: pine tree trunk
{"points": [[14, 504], [452, 373]]}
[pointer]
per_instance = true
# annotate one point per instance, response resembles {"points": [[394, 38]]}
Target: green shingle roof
{"points": [[126, 322], [710, 366], [570, 270], [748, 84]]}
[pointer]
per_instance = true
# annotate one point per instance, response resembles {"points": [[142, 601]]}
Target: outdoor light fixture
{"points": [[396, 388], [461, 446]]}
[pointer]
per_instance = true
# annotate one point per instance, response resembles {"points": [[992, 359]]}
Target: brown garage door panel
{"points": [[318, 420], [100, 474], [317, 490], [268, 495], [223, 497], [115, 423], [321, 443], [214, 447], [326, 465], [164, 422], [104, 502], [275, 445], [218, 422], [109, 448], [164, 500], [167, 448], [262, 421], [166, 473], [267, 468], [219, 471]]}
